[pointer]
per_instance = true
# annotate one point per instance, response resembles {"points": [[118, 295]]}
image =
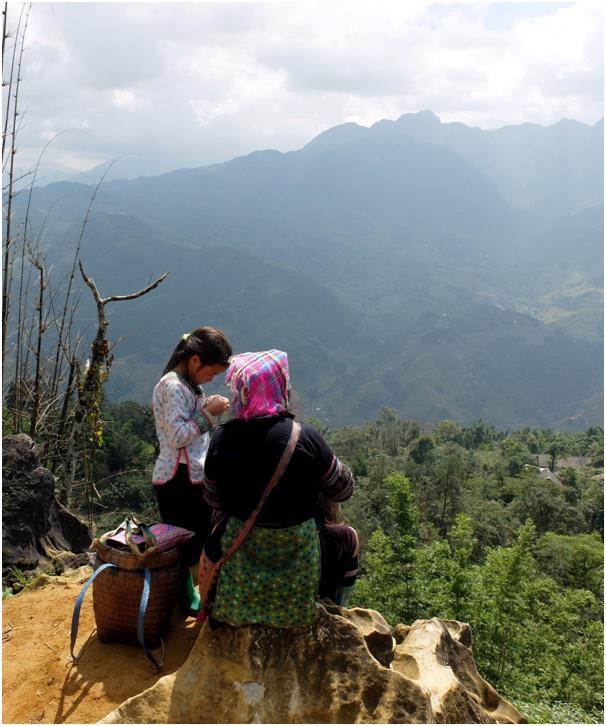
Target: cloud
{"points": [[124, 99], [194, 83]]}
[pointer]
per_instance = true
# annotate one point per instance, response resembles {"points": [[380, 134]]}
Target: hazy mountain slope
{"points": [[390, 262], [259, 303], [551, 170]]}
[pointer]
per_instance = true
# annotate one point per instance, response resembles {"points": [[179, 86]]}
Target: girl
{"points": [[184, 416]]}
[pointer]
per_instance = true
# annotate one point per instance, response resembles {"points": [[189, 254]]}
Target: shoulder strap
{"points": [[280, 469]]}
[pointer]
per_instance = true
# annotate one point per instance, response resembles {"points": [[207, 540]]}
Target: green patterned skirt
{"points": [[272, 579]]}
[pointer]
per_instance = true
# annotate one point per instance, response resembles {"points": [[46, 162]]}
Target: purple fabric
{"points": [[260, 383]]}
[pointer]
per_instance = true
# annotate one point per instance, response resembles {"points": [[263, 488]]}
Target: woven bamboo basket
{"points": [[117, 595]]}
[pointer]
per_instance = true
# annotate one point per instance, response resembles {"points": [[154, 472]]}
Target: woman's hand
{"points": [[216, 405]]}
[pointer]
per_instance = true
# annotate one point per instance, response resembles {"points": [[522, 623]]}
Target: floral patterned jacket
{"points": [[182, 427]]}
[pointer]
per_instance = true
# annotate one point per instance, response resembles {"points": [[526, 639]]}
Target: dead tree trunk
{"points": [[87, 408]]}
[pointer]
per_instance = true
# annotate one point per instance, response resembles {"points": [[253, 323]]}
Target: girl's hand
{"points": [[216, 405]]}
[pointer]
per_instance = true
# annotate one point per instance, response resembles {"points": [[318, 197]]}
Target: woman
{"points": [[184, 417], [274, 576]]}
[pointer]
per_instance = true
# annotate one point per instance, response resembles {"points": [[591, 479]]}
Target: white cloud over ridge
{"points": [[188, 84]]}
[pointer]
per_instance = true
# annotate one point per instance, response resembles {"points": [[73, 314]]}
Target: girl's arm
{"points": [[183, 420]]}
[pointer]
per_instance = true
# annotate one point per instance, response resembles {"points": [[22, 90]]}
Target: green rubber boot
{"points": [[188, 598]]}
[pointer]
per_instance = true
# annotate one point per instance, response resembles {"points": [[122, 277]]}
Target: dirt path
{"points": [[39, 682]]}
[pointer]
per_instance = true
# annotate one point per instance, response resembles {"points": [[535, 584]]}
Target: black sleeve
{"points": [[336, 480], [212, 490]]}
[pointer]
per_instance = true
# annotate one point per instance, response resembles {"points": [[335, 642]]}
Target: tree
{"points": [[498, 605], [543, 501], [516, 455], [445, 432], [87, 410], [557, 445], [389, 582], [439, 487], [573, 560], [462, 543], [421, 449], [477, 434], [493, 525]]}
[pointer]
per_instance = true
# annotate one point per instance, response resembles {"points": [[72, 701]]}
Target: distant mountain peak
{"points": [[425, 116], [341, 134]]}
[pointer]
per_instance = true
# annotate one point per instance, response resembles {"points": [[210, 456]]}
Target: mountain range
{"points": [[442, 270]]}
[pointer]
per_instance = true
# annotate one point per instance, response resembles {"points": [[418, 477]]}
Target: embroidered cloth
{"points": [[273, 577]]}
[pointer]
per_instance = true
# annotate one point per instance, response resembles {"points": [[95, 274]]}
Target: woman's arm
{"points": [[336, 479], [210, 485], [337, 484]]}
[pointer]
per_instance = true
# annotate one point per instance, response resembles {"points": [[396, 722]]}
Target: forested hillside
{"points": [[447, 271], [501, 529]]}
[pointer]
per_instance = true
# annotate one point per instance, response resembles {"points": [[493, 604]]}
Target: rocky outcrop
{"points": [[349, 667], [37, 532]]}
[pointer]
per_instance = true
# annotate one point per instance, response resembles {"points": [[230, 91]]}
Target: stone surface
{"points": [[373, 627], [37, 532], [437, 654], [70, 577], [323, 674]]}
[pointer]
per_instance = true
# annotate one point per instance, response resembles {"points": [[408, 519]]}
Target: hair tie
{"points": [[185, 336]]}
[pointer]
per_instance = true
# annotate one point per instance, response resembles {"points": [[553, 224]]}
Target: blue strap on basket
{"points": [[141, 620], [146, 572]]}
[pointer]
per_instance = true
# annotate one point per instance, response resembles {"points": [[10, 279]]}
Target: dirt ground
{"points": [[39, 682]]}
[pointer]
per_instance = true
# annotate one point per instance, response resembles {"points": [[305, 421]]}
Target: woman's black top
{"points": [[243, 456]]}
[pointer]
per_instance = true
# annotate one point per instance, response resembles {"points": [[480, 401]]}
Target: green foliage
{"points": [[517, 455], [381, 588], [422, 449], [454, 522], [439, 485], [390, 583], [124, 463], [516, 555], [556, 712], [573, 561]]}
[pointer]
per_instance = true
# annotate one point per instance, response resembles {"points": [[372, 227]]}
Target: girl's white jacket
{"points": [[182, 428]]}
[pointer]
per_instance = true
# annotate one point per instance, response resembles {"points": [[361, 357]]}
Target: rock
{"points": [[375, 630], [38, 533], [322, 674], [437, 655], [400, 632], [70, 577]]}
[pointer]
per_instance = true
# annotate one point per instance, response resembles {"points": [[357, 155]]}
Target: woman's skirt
{"points": [[273, 577]]}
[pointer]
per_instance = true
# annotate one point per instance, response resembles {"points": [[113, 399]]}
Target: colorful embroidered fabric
{"points": [[273, 577], [260, 383]]}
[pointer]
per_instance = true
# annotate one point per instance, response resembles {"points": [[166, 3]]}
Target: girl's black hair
{"points": [[209, 344]]}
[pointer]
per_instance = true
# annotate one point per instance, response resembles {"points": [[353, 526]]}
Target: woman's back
{"points": [[242, 458]]}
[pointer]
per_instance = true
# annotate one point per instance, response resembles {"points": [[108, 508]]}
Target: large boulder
{"points": [[38, 533], [326, 673]]}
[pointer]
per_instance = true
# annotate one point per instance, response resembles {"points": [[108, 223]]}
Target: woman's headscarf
{"points": [[260, 383]]}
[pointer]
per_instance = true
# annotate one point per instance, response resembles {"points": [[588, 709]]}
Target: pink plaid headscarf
{"points": [[260, 383]]}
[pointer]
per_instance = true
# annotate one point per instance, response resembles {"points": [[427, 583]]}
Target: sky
{"points": [[161, 86]]}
